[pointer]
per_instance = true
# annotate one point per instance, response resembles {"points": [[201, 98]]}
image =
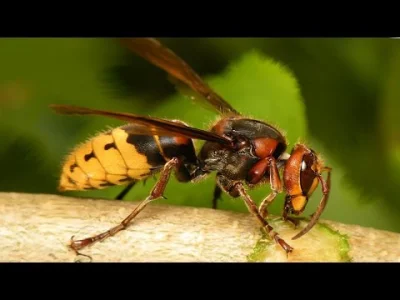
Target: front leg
{"points": [[236, 189], [286, 211], [276, 186]]}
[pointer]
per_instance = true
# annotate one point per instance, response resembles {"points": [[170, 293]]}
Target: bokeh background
{"points": [[341, 96]]}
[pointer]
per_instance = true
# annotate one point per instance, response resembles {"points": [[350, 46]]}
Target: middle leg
{"points": [[236, 189], [276, 186]]}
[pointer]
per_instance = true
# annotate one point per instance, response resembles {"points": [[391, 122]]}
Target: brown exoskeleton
{"points": [[243, 152]]}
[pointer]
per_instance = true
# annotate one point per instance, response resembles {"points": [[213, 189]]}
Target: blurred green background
{"points": [[341, 96]]}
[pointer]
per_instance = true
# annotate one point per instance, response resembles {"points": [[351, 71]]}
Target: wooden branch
{"points": [[38, 228]]}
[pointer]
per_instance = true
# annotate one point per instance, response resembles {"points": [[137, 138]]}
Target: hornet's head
{"points": [[302, 174]]}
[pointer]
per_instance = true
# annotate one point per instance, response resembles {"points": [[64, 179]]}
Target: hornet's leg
{"points": [[125, 191], [236, 189], [276, 186], [216, 196], [157, 192], [325, 185], [286, 211]]}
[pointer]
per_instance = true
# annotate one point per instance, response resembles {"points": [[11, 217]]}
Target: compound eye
{"points": [[303, 165], [309, 163], [308, 175]]}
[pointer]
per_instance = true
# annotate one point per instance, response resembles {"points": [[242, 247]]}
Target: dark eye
{"points": [[303, 166]]}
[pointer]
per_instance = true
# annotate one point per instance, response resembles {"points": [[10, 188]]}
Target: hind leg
{"points": [[156, 193], [216, 196], [125, 191]]}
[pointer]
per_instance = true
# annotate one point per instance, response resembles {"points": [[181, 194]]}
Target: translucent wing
{"points": [[161, 56], [146, 125]]}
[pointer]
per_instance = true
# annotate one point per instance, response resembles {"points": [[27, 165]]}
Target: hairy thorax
{"points": [[252, 141]]}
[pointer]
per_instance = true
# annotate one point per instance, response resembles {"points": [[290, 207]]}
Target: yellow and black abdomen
{"points": [[111, 158], [117, 157]]}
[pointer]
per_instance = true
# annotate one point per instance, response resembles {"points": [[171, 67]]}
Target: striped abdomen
{"points": [[116, 157]]}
